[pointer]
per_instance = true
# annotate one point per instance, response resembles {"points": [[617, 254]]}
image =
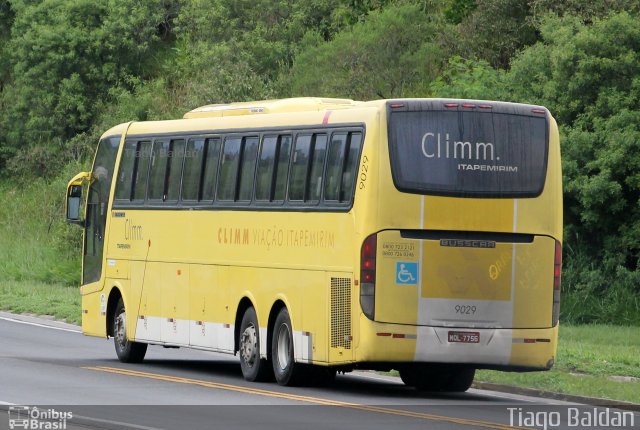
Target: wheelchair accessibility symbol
{"points": [[406, 273]]}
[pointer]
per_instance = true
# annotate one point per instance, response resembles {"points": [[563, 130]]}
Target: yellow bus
{"points": [[313, 235]]}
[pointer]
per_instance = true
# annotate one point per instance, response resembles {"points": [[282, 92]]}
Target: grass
{"points": [[588, 356], [39, 253], [58, 300]]}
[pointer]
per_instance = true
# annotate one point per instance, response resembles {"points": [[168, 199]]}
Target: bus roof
{"points": [[297, 104]]}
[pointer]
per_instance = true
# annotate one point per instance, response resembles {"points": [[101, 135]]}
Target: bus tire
{"points": [[438, 378], [407, 375], [127, 351], [285, 369], [254, 368], [461, 381]]}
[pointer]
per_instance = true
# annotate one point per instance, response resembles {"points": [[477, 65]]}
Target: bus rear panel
{"points": [[468, 237]]}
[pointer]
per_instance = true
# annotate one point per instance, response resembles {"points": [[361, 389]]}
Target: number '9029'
{"points": [[465, 309]]}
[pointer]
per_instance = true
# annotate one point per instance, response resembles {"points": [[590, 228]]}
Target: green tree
{"points": [[589, 77], [393, 53], [63, 56], [492, 30]]}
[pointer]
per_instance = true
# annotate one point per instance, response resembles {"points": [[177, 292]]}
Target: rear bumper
{"points": [[506, 349]]}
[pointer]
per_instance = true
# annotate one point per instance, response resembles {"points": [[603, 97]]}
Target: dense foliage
{"points": [[69, 69]]}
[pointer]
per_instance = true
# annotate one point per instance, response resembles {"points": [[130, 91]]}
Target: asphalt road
{"points": [[51, 366]]}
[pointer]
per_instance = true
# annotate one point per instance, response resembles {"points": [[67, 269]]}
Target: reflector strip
{"points": [[327, 114], [529, 340], [398, 335]]}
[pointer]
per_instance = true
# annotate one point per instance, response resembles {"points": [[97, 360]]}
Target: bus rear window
{"points": [[469, 153]]}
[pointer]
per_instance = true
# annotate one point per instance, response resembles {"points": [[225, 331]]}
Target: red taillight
{"points": [[368, 276], [557, 266], [468, 105], [451, 105], [368, 260]]}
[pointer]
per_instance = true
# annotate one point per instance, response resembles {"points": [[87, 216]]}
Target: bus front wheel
{"points": [[127, 351], [253, 367]]}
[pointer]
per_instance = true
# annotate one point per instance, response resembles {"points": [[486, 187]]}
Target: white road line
{"points": [[81, 420], [39, 325]]}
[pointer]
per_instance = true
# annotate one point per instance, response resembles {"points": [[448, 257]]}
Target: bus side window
{"points": [[317, 167], [157, 177], [335, 166], [192, 170], [141, 171], [229, 169], [282, 168], [211, 161], [351, 167], [299, 164], [125, 171], [176, 158], [248, 168], [266, 168]]}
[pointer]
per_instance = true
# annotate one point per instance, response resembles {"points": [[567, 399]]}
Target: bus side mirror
{"points": [[74, 196], [74, 199]]}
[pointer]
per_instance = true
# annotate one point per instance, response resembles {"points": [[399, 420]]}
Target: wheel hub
{"points": [[249, 345], [121, 329], [283, 347]]}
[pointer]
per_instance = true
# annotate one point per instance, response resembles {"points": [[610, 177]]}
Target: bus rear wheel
{"points": [[254, 368], [285, 369], [438, 377], [127, 351]]}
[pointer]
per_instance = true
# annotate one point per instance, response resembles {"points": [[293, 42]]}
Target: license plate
{"points": [[464, 336]]}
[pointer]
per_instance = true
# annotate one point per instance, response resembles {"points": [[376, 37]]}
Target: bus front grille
{"points": [[341, 313]]}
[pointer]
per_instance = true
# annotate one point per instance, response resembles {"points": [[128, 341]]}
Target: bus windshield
{"points": [[464, 152]]}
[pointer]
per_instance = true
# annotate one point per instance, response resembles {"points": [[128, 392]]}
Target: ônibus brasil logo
{"points": [[32, 418]]}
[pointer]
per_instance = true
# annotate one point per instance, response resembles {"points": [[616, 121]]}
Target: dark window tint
{"points": [[97, 203], [299, 165], [125, 171], [212, 148], [469, 153], [248, 168], [176, 158], [335, 165], [193, 163], [266, 168], [351, 167], [157, 177], [229, 168], [282, 168], [317, 167], [141, 170]]}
